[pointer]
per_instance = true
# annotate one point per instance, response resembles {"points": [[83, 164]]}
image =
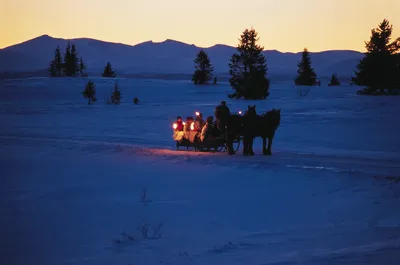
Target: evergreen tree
{"points": [[52, 69], [334, 81], [248, 68], [203, 68], [215, 80], [74, 61], [82, 67], [58, 61], [67, 60], [306, 75], [116, 95], [378, 69], [69, 65], [56, 65], [108, 71], [90, 92]]}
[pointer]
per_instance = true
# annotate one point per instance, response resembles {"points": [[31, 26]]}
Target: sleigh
{"points": [[191, 140]]}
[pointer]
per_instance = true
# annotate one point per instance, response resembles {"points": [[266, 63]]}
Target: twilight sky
{"points": [[284, 25]]}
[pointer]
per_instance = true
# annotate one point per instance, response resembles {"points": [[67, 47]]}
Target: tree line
{"points": [[72, 65], [378, 70]]}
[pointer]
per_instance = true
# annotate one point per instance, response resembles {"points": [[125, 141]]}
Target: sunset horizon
{"points": [[167, 39], [287, 26]]}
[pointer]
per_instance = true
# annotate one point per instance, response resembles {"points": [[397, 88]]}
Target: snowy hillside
{"points": [[168, 57], [81, 183]]}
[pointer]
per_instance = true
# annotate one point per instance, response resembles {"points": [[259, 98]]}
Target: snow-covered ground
{"points": [[73, 177]]}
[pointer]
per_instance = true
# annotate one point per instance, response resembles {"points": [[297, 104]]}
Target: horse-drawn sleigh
{"points": [[201, 137], [191, 134]]}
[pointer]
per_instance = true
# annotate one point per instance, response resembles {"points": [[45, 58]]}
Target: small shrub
{"points": [[334, 81], [144, 229], [116, 95], [157, 233], [90, 92]]}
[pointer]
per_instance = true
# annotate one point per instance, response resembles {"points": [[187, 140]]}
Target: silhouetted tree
{"points": [[52, 69], [82, 67], [135, 100], [215, 80], [306, 74], [56, 65], [58, 61], [90, 92], [74, 64], [334, 81], [71, 63], [116, 95], [248, 68], [378, 69], [108, 71], [203, 68], [67, 60]]}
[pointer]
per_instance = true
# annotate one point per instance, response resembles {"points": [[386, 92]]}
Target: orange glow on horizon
{"points": [[285, 25]]}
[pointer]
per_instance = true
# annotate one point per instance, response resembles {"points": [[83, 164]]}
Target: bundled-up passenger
{"points": [[199, 122], [208, 129], [179, 123], [178, 129], [189, 129]]}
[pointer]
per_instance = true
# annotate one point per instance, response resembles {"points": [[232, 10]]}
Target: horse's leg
{"points": [[270, 144], [245, 145], [265, 151], [251, 152], [229, 144]]}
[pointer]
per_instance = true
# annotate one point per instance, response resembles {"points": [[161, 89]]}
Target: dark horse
{"points": [[250, 126]]}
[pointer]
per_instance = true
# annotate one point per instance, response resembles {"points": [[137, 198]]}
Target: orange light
{"points": [[175, 126], [192, 126], [197, 113], [183, 123]]}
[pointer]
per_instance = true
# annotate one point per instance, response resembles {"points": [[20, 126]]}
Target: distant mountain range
{"points": [[164, 58]]}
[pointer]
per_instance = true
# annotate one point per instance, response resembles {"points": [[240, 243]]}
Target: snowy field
{"points": [[80, 184]]}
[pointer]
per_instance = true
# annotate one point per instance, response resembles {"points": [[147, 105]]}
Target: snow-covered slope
{"points": [[74, 178]]}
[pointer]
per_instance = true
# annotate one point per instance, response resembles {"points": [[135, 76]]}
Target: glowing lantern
{"points": [[197, 113], [175, 126], [240, 112], [192, 126], [183, 123]]}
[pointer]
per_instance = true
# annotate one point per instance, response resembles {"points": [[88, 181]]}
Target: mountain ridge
{"points": [[168, 57]]}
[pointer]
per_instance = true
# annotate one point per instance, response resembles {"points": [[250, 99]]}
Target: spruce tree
{"points": [[90, 92], [56, 65], [67, 60], [334, 81], [306, 74], [82, 67], [248, 68], [378, 69], [108, 71], [116, 95], [58, 61], [74, 61], [52, 69], [203, 68]]}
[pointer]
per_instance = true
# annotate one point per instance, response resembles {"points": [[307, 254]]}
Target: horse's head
{"points": [[251, 111], [274, 116]]}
